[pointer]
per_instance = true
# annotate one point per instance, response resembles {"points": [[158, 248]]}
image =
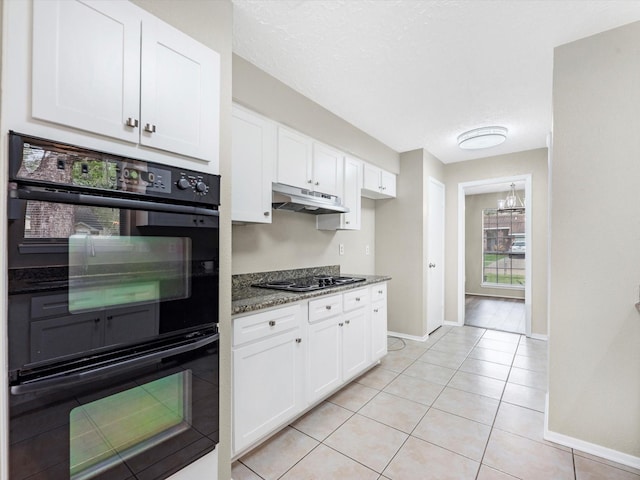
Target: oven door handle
{"points": [[100, 373], [35, 193]]}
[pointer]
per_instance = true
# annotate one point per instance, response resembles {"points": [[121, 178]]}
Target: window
{"points": [[503, 248]]}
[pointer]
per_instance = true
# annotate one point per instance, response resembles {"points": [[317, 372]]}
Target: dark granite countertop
{"points": [[246, 298]]}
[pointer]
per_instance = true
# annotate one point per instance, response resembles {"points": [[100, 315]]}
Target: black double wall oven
{"points": [[112, 314]]}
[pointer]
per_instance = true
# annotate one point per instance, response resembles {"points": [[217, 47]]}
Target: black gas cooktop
{"points": [[308, 284]]}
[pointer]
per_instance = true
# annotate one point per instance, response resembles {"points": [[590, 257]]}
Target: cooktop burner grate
{"points": [[309, 283]]}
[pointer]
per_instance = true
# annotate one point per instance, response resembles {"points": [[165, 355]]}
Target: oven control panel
{"points": [[46, 163]]}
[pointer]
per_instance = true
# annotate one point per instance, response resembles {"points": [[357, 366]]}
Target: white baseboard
{"points": [[587, 447], [408, 337], [452, 324], [539, 336]]}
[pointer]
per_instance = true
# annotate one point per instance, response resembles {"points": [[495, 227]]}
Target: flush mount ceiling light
{"points": [[484, 137]]}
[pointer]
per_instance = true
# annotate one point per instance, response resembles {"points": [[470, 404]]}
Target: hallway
{"points": [[493, 313]]}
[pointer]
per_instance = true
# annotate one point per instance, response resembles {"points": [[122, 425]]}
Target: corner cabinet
{"points": [[350, 198], [378, 183], [113, 69], [253, 154]]}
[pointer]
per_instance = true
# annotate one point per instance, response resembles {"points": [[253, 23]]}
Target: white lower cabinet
{"points": [[268, 372], [288, 359], [378, 321]]}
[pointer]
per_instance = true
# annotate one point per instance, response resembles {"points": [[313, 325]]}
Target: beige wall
{"points": [[292, 240], [594, 357], [474, 205], [401, 241], [532, 162], [264, 94], [210, 22]]}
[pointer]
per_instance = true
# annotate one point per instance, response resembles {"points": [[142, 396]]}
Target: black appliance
{"points": [[309, 284], [112, 314]]}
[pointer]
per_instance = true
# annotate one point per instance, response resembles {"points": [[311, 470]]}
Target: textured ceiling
{"points": [[416, 74]]}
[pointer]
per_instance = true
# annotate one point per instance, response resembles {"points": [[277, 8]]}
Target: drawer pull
{"points": [[272, 323], [375, 310], [347, 322], [328, 307], [298, 340], [380, 292], [341, 324], [357, 299]]}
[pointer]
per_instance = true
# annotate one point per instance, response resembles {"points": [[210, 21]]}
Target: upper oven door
{"points": [[86, 279]]}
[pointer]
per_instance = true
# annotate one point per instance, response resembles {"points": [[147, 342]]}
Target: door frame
{"points": [[462, 192]]}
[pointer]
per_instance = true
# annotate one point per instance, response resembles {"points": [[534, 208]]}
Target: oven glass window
{"points": [[118, 271], [106, 432]]}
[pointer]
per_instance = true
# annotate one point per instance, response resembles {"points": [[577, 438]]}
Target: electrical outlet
{"points": [[342, 249], [366, 250]]}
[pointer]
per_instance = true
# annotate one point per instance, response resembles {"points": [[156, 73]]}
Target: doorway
{"points": [[494, 264]]}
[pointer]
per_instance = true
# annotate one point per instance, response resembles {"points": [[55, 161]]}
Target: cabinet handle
{"points": [[272, 323], [298, 340], [266, 214], [328, 307], [347, 322], [357, 299], [384, 188], [131, 122], [341, 324], [317, 183], [375, 310], [380, 292], [150, 128], [96, 320], [309, 181], [347, 222]]}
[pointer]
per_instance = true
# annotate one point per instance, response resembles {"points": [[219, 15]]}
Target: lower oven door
{"points": [[144, 419]]}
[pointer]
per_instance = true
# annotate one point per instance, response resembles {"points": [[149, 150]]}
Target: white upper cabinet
{"points": [[86, 65], [327, 170], [350, 199], [304, 163], [294, 159], [180, 92], [253, 153], [378, 183], [113, 69]]}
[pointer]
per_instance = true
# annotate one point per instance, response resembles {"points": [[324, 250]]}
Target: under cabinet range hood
{"points": [[286, 197]]}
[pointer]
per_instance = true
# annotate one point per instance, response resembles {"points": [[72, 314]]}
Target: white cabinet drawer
{"points": [[355, 299], [378, 292], [325, 307], [264, 324]]}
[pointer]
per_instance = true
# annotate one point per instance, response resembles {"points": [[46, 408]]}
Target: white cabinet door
{"points": [[378, 321], [327, 170], [371, 178], [179, 92], [268, 390], [388, 183], [86, 65], [294, 159], [324, 362], [355, 342], [253, 153], [350, 199]]}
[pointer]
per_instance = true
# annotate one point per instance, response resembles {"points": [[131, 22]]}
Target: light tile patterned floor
{"points": [[466, 404]]}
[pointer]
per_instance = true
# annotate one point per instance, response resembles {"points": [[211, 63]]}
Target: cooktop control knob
{"points": [[183, 184], [201, 187]]}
